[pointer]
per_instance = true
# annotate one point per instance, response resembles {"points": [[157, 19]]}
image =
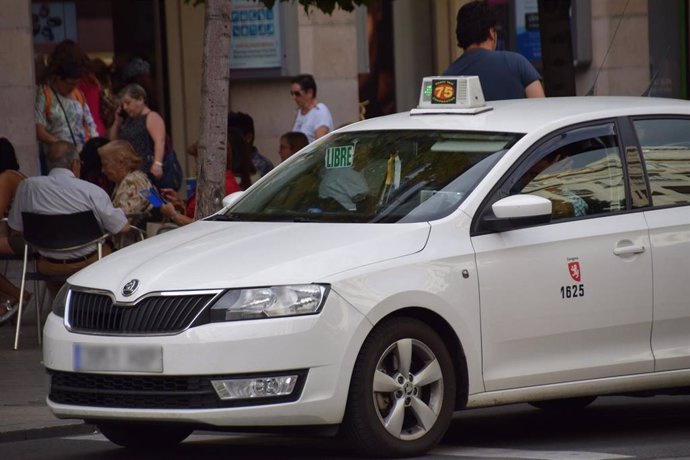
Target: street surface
{"points": [[611, 428]]}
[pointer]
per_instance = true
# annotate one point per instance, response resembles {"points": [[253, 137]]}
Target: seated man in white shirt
{"points": [[62, 192]]}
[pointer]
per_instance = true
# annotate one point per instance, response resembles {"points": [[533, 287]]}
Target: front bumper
{"points": [[323, 346]]}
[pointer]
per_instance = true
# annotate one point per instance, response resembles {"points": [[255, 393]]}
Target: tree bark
{"points": [[215, 88]]}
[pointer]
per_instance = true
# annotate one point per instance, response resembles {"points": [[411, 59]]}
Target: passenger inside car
{"points": [[544, 178]]}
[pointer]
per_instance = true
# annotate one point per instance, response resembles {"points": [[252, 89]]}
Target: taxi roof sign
{"points": [[452, 94]]}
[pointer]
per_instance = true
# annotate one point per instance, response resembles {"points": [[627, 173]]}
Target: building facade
{"points": [[367, 63]]}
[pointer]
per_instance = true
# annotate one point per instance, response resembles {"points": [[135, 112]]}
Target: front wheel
{"points": [[145, 436], [402, 392]]}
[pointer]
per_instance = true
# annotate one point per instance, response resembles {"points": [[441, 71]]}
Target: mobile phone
{"points": [[152, 195]]}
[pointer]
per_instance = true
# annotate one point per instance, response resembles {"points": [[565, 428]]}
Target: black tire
{"points": [[564, 405], [144, 436], [416, 416]]}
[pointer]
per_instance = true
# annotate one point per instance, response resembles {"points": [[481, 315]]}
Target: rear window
{"points": [[665, 146]]}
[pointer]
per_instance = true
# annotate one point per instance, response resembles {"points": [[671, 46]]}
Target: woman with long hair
{"points": [[238, 171], [89, 85]]}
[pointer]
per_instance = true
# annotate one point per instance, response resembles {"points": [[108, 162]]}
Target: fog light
{"points": [[259, 387]]}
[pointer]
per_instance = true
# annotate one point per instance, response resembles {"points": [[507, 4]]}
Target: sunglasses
{"points": [[296, 93]]}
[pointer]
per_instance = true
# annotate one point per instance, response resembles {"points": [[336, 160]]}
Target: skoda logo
{"points": [[130, 288]]}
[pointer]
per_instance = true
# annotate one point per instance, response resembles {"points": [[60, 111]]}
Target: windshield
{"points": [[375, 176]]}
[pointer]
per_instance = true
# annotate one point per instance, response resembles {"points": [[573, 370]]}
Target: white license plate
{"points": [[118, 358]]}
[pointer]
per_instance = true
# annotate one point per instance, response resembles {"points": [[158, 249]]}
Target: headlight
{"points": [[269, 302], [60, 301]]}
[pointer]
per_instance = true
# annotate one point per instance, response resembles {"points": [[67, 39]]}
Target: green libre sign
{"points": [[340, 157]]}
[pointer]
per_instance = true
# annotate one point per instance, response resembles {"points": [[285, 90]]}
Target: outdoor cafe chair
{"points": [[54, 233]]}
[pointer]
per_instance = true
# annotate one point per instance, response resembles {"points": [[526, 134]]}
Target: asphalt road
{"points": [[613, 427]]}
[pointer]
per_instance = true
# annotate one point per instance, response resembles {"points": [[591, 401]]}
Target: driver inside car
{"points": [[546, 178]]}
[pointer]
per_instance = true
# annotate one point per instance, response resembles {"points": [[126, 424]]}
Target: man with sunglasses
{"points": [[313, 117]]}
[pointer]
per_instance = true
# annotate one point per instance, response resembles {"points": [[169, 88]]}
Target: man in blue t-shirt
{"points": [[503, 74]]}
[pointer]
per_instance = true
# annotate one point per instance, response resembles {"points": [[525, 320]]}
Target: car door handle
{"points": [[628, 250]]}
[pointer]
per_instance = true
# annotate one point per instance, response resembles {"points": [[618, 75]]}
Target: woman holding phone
{"points": [[143, 128]]}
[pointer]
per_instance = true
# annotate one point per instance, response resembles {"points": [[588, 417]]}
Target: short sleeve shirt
{"points": [[60, 192], [502, 74], [78, 117], [317, 117]]}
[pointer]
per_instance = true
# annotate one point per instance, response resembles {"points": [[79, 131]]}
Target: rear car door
{"points": [[568, 300], [665, 143]]}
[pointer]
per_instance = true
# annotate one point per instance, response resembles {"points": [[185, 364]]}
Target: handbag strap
{"points": [[69, 125]]}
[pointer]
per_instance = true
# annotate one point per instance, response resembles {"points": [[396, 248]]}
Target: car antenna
{"points": [[648, 90], [594, 84]]}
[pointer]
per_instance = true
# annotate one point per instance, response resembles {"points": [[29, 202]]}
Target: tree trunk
{"points": [[556, 47], [215, 88]]}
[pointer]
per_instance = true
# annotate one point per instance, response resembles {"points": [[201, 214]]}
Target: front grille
{"points": [[96, 313], [132, 391], [150, 392]]}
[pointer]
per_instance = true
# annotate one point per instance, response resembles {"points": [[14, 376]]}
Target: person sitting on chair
{"points": [[62, 192], [121, 165], [238, 168], [10, 178], [565, 202]]}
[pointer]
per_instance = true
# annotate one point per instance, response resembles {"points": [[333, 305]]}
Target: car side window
{"points": [[665, 147], [580, 178]]}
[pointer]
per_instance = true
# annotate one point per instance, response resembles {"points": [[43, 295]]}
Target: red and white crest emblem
{"points": [[574, 270]]}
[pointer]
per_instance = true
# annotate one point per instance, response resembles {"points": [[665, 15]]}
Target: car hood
{"points": [[212, 255]]}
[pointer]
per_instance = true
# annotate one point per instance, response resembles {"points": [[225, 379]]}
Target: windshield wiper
{"points": [[223, 217]]}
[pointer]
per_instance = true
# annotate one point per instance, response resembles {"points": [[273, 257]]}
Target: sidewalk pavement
{"points": [[24, 386]]}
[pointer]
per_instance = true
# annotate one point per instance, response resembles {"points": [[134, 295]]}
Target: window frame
{"points": [[632, 120], [540, 149]]}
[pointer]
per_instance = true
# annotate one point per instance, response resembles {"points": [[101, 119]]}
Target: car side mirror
{"points": [[517, 211], [231, 199]]}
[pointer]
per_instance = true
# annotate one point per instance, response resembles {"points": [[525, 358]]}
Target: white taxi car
{"points": [[457, 256]]}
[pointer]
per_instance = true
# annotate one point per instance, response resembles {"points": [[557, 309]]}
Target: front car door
{"points": [[568, 300]]}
